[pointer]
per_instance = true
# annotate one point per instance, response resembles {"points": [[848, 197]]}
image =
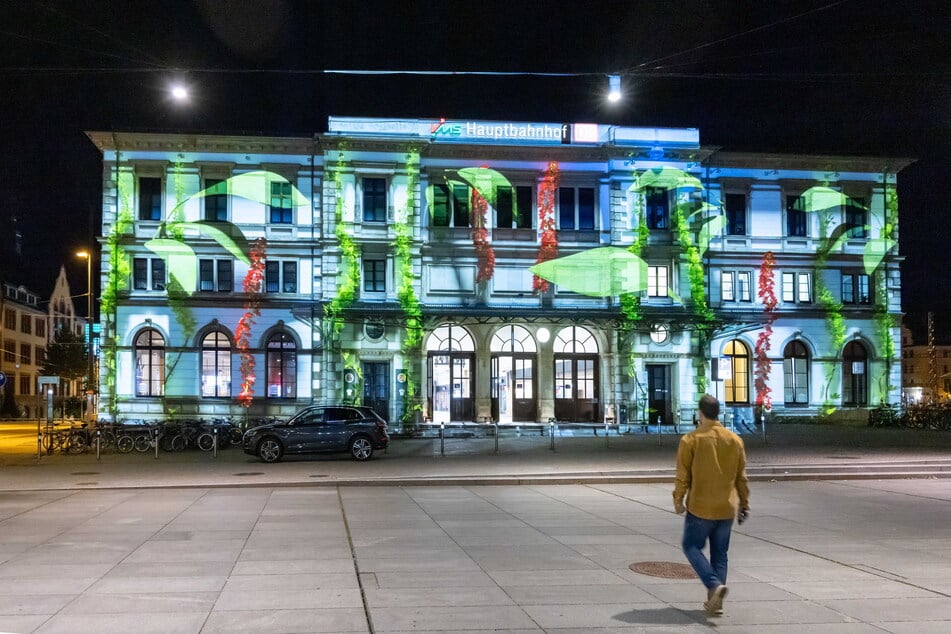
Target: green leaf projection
{"points": [[665, 177], [598, 272]]}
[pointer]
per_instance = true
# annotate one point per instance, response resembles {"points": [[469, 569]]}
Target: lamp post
{"points": [[90, 376]]}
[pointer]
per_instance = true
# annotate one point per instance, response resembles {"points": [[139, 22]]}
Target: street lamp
{"points": [[90, 376]]}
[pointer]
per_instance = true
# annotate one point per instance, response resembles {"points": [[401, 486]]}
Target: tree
{"points": [[66, 356]]}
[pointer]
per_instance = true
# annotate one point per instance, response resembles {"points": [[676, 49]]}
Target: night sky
{"points": [[847, 77]]}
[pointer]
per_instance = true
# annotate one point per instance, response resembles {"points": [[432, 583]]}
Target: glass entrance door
{"points": [[376, 387], [658, 394], [513, 388], [576, 388], [451, 387]]}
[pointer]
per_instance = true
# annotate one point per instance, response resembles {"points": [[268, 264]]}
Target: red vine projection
{"points": [[767, 295], [546, 223], [480, 237], [253, 285]]}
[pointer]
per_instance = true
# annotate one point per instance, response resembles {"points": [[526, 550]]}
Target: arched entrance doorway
{"points": [[513, 375], [450, 353], [576, 375]]}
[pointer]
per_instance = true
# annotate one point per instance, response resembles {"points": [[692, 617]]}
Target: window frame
{"points": [[153, 350], [284, 269], [281, 213], [285, 353], [654, 290], [374, 201], [852, 284], [733, 214], [737, 392], [793, 293], [149, 202], [214, 206], [375, 277], [582, 218], [795, 371], [154, 267], [797, 220], [657, 208], [221, 355], [220, 280]]}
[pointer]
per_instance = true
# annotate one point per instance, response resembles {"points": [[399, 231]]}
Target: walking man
{"points": [[711, 473]]}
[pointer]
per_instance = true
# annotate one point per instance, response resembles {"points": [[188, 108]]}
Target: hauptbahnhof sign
{"points": [[513, 132]]}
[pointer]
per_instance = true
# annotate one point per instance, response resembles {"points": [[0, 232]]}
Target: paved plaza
{"points": [[454, 537]]}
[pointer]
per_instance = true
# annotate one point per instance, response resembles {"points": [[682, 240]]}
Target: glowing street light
{"points": [[179, 93], [614, 88]]}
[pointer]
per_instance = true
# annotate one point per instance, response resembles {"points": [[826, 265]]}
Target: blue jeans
{"points": [[696, 533]]}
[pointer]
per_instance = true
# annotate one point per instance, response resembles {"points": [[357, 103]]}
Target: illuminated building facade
{"points": [[476, 271]]}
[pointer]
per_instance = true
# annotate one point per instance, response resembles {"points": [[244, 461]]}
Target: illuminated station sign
{"points": [[512, 132]]}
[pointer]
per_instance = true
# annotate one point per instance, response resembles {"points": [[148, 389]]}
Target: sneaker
{"points": [[714, 603]]}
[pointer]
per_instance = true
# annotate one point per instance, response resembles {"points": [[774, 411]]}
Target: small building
{"points": [[506, 271]]}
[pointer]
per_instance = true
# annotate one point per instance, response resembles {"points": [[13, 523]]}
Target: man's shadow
{"points": [[664, 616]]}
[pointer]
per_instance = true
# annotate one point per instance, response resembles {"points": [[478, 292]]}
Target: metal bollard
{"points": [[660, 430], [215, 432], [496, 424], [551, 432], [607, 436], [98, 445], [442, 439], [156, 439]]}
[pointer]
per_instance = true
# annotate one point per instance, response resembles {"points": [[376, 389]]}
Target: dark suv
{"points": [[320, 429]]}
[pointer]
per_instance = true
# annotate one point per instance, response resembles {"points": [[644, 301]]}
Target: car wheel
{"points": [[361, 449], [270, 450]]}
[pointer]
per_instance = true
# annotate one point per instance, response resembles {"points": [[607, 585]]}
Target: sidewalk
{"points": [[788, 452]]}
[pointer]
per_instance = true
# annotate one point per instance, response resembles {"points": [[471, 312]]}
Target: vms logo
{"points": [[445, 129]]}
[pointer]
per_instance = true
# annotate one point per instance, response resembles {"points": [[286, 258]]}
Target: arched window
{"points": [[854, 375], [512, 339], [451, 382], [796, 374], [737, 383], [281, 366], [575, 340], [215, 365], [149, 363]]}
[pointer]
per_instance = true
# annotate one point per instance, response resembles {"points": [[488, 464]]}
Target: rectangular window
{"points": [[441, 207], [40, 327], [744, 286], [280, 276], [26, 385], [148, 274], [657, 208], [735, 207], [797, 288], [857, 217], [215, 276], [795, 217], [26, 354], [374, 200], [576, 208], [460, 206], [657, 281], [9, 319], [216, 205], [726, 286], [40, 356], [26, 325], [374, 276], [736, 286], [856, 288], [281, 207], [150, 198], [523, 211], [504, 209], [9, 350]]}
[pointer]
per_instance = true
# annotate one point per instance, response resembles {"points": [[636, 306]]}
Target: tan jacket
{"points": [[711, 472]]}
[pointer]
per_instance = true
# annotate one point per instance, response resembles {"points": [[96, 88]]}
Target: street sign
{"points": [[49, 380], [3, 379]]}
